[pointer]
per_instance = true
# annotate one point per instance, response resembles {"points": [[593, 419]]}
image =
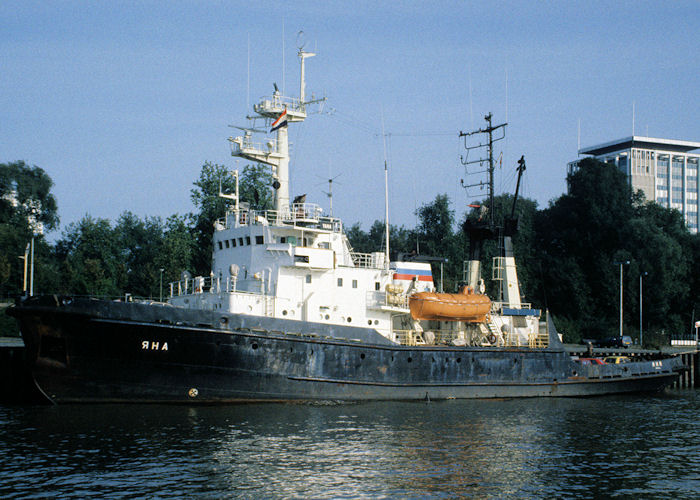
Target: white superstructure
{"points": [[291, 262], [295, 263]]}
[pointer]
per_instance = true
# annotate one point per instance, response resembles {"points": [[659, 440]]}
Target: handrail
{"points": [[445, 337], [300, 213]]}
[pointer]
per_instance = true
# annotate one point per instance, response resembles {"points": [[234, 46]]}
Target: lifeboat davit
{"points": [[464, 306]]}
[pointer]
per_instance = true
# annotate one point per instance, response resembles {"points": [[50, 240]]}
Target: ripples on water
{"points": [[565, 448]]}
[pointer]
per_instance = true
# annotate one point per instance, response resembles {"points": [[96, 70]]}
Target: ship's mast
{"points": [[277, 111], [485, 227], [489, 130]]}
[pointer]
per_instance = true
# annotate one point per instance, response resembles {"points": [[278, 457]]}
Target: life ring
{"points": [[491, 338]]}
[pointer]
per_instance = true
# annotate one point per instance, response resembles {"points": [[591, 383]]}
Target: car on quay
{"points": [[616, 360], [591, 361]]}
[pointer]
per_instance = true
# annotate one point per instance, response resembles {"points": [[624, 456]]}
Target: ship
{"points": [[290, 312]]}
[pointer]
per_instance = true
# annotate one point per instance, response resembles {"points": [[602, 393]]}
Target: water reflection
{"points": [[625, 446]]}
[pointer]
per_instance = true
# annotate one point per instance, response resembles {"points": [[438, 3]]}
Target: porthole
{"points": [[459, 360], [410, 359], [362, 355], [327, 316], [284, 312], [254, 346], [369, 322], [376, 321], [349, 319]]}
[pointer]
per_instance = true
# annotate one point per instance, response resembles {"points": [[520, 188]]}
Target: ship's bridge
{"points": [[303, 215]]}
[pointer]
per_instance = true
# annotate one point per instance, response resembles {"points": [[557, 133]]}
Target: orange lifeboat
{"points": [[464, 306]]}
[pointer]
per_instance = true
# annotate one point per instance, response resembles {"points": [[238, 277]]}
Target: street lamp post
{"points": [[161, 284], [25, 258], [31, 270], [641, 337], [621, 263]]}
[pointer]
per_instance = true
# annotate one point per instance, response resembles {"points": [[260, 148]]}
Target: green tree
{"points": [[660, 245], [176, 251], [582, 235], [374, 240], [91, 261], [210, 206], [27, 208], [435, 236], [140, 245], [579, 237], [254, 188]]}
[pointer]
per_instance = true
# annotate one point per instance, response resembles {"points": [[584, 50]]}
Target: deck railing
{"points": [[306, 214], [191, 286], [447, 337]]}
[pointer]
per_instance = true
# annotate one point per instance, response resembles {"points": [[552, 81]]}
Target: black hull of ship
{"points": [[102, 351]]}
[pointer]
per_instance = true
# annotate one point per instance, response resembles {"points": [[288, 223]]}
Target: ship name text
{"points": [[150, 345]]}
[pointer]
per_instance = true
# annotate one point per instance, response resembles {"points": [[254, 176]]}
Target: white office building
{"points": [[663, 169]]}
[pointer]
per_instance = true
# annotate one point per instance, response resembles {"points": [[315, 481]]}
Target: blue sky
{"points": [[122, 102]]}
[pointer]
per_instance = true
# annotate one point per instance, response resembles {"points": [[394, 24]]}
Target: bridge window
{"points": [[259, 239], [233, 242], [247, 240], [340, 281], [221, 246], [227, 245], [354, 283]]}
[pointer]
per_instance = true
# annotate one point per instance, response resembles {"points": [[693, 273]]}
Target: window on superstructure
{"points": [[247, 240], [220, 246], [227, 245], [283, 239], [308, 278], [340, 281], [259, 239], [240, 241], [354, 283], [233, 242], [377, 286]]}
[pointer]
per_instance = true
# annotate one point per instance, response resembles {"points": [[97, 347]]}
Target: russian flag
{"points": [[280, 122], [406, 271]]}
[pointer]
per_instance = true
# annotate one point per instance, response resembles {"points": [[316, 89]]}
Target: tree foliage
{"points": [[583, 234], [27, 208], [254, 189]]}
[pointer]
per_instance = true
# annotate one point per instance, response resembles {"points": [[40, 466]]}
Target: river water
{"points": [[631, 446]]}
